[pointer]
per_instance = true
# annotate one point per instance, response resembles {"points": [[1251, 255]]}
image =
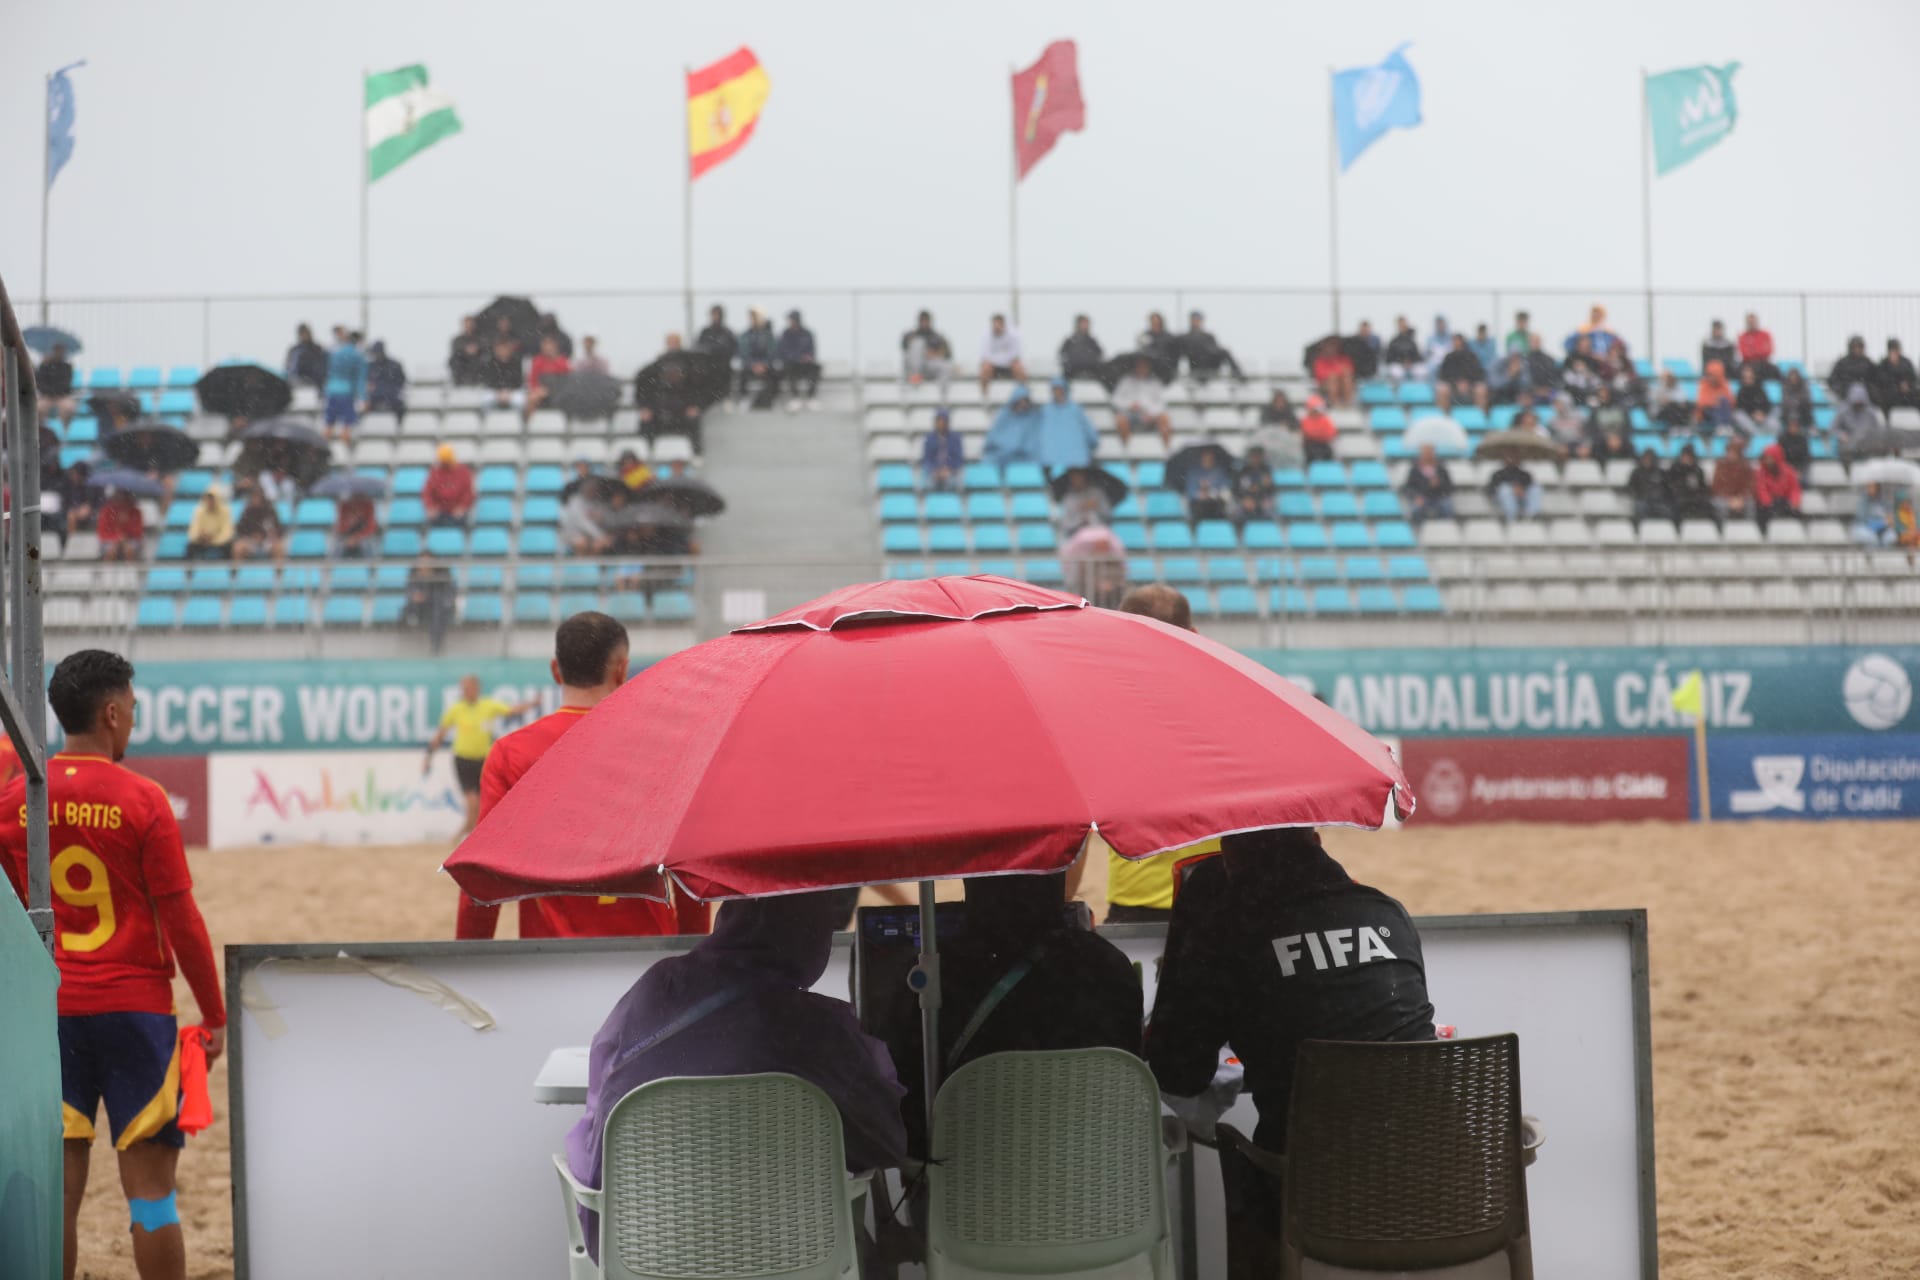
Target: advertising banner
{"points": [[1844, 776], [185, 778], [330, 797], [1547, 779], [1556, 692]]}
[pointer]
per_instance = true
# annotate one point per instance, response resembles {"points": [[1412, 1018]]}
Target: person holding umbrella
{"points": [[77, 500], [1428, 488], [549, 364], [259, 532], [467, 354], [210, 532], [1873, 524], [356, 527], [501, 372], [1083, 504], [1254, 490], [1140, 403], [1209, 482], [1513, 490], [122, 530], [53, 384]]}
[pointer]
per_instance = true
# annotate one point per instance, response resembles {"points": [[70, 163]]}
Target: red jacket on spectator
{"points": [[121, 522], [543, 367], [1755, 344], [449, 487], [1319, 427], [1776, 480]]}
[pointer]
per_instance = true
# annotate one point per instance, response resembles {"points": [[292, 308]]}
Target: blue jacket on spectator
{"points": [[347, 372], [386, 380], [757, 345], [942, 452], [796, 341]]}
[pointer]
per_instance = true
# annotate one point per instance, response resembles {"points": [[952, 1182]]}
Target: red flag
{"points": [[1046, 104]]}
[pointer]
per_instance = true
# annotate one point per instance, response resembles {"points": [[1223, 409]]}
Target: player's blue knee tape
{"points": [[151, 1215]]}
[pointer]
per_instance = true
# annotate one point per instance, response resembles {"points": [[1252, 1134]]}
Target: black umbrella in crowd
{"points": [[1108, 483], [1185, 460], [699, 374], [695, 497], [599, 486], [107, 405], [349, 484], [644, 512], [290, 444], [152, 446], [243, 391], [1164, 367], [523, 316], [583, 395], [137, 483]]}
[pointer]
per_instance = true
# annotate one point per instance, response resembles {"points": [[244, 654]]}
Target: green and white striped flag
{"points": [[404, 117]]}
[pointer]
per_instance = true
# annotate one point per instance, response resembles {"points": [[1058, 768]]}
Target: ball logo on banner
{"points": [[1444, 789], [1877, 691]]}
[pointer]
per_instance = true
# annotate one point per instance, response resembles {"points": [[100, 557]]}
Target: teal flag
{"points": [[1690, 110]]}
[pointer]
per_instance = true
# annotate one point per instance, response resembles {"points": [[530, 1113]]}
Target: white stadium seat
{"points": [[1787, 532]]}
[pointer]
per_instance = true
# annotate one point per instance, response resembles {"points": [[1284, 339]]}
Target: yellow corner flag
{"points": [[1689, 698]]}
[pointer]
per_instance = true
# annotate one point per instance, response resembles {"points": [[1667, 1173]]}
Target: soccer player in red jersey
{"points": [[123, 911], [589, 664]]}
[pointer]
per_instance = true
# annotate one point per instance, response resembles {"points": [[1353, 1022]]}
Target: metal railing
{"points": [[860, 328]]}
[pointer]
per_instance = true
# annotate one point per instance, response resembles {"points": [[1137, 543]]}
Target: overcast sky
{"points": [[218, 146]]}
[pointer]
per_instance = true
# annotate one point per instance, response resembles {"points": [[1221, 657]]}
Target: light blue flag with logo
{"points": [[59, 121], [1690, 110], [1368, 101]]}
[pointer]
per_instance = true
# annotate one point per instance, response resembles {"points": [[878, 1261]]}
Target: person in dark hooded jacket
{"points": [[799, 363], [1855, 367]]}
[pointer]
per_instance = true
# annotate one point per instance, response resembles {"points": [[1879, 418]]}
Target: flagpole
{"points": [[366, 322], [46, 193], [686, 208], [1646, 206], [1013, 200], [1333, 198]]}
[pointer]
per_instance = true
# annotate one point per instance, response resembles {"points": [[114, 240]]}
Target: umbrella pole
{"points": [[926, 977]]}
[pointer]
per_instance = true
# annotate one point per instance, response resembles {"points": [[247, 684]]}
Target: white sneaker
{"points": [[793, 405]]}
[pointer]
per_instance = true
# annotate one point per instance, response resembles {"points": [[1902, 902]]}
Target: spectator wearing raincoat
{"points": [[1776, 487], [1015, 433], [1068, 437], [1858, 426]]}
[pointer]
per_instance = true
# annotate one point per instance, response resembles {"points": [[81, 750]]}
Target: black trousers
{"points": [[802, 377]]}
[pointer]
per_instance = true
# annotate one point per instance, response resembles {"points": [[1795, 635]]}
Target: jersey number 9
{"points": [[97, 894]]}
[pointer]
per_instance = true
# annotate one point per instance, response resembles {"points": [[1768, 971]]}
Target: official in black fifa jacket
{"points": [[1270, 944]]}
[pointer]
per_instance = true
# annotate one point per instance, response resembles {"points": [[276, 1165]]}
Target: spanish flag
{"points": [[723, 105]]}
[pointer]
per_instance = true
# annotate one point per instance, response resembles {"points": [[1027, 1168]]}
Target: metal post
{"points": [[22, 694], [1013, 234], [686, 209], [927, 975], [1806, 339], [46, 191], [1646, 207], [361, 119], [1333, 200]]}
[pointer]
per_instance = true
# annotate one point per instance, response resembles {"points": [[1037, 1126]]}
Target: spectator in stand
{"points": [[1713, 401], [1484, 349], [941, 457], [716, 339], [467, 355], [1333, 373], [1614, 446], [1084, 504], [1688, 493], [210, 532], [1363, 348], [77, 500], [1140, 402], [1254, 489], [1403, 359], [759, 373], [346, 387], [799, 364], [306, 360], [1461, 377], [1080, 353], [503, 373], [1858, 428], [1513, 491], [1439, 346], [1521, 339], [1581, 374], [1600, 338], [669, 405], [1719, 348], [1733, 482], [1671, 408], [1000, 354], [1209, 486], [386, 383], [1873, 519], [551, 363], [259, 533], [1067, 437], [122, 528], [275, 483], [925, 354], [1752, 410], [1796, 400], [1894, 383], [1853, 369], [356, 528], [1157, 342], [1617, 371], [1776, 488], [1278, 412], [447, 494], [1428, 488], [53, 385], [550, 328], [1609, 418], [1205, 356], [591, 361], [1543, 371], [582, 526], [429, 600], [633, 473], [1756, 349], [1318, 431], [1794, 446], [1647, 488], [1507, 380]]}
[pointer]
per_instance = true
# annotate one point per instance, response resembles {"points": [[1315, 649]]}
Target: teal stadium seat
{"points": [[542, 509], [1035, 537], [1287, 601], [1306, 537], [493, 509], [1326, 475], [1376, 391], [173, 404], [307, 544], [1289, 478], [191, 484], [387, 610], [1394, 535], [998, 568], [992, 537], [1388, 421], [1332, 600], [409, 481], [490, 541], [542, 576], [1318, 569], [1172, 535], [343, 611], [532, 607], [247, 611], [546, 479], [1143, 569], [300, 578], [672, 606], [183, 375], [952, 568], [290, 610], [253, 577], [210, 578], [902, 540], [1264, 535], [1272, 569], [83, 431], [390, 577], [1380, 504], [1339, 506], [986, 506], [400, 544], [578, 602], [1200, 600], [1181, 569], [405, 513], [894, 477], [172, 546], [1236, 602], [156, 614], [1416, 393], [947, 538], [1364, 569], [498, 479], [1376, 600], [899, 508], [1045, 573], [446, 542], [1501, 416], [539, 542], [160, 581], [1368, 474], [180, 513], [943, 506], [628, 606], [905, 570], [1149, 475], [1421, 600], [981, 475], [580, 577], [1470, 416], [1407, 568], [1025, 476], [1215, 535], [1132, 535], [1031, 506], [486, 577], [1163, 505], [1351, 535], [314, 513], [1227, 570], [350, 577], [104, 377], [1297, 505]]}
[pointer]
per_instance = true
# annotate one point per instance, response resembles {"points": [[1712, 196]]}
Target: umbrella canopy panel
{"points": [[1122, 366], [152, 446], [1524, 445], [243, 391], [523, 318], [703, 376]]}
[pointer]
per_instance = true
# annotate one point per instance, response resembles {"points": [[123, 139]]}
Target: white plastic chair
{"points": [[721, 1177], [1048, 1163]]}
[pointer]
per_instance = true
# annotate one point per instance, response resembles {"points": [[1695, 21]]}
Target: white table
{"points": [[563, 1078]]}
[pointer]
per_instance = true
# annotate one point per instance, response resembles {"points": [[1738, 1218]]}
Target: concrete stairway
{"points": [[800, 514]]}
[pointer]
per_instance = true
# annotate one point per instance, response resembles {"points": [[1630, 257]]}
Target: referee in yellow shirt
{"points": [[471, 721]]}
